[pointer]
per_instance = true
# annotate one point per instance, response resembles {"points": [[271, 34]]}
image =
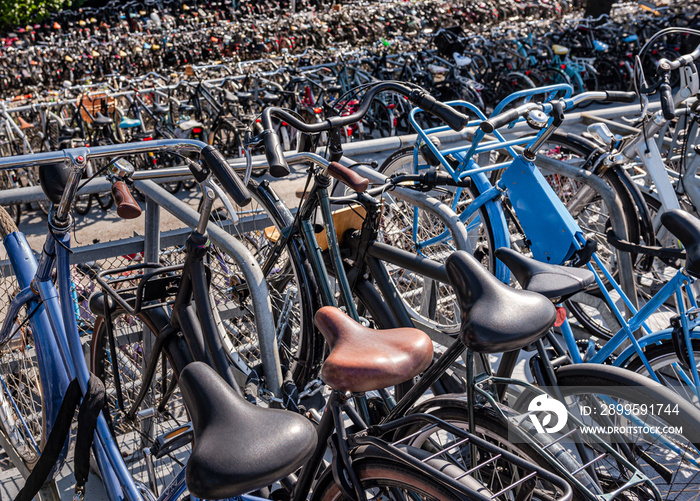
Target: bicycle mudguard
{"points": [[546, 222]]}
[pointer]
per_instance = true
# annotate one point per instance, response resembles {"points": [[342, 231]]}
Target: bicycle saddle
{"points": [[69, 131], [238, 447], [557, 283], [158, 109], [230, 96], [244, 96], [687, 229], [23, 124], [334, 89], [560, 50], [268, 97], [100, 119], [495, 317], [129, 123], [185, 108], [365, 359]]}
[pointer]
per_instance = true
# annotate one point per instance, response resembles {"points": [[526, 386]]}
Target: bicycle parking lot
{"points": [[515, 282]]}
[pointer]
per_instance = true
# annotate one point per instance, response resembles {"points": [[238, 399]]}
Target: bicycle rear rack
{"points": [[476, 454], [140, 287]]}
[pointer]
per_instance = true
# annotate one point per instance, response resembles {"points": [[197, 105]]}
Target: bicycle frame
{"points": [[555, 240], [54, 324]]}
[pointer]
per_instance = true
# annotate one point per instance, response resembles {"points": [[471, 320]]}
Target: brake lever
{"points": [[249, 141], [209, 184]]}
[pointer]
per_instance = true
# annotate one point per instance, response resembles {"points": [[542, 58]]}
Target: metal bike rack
{"points": [[376, 149]]}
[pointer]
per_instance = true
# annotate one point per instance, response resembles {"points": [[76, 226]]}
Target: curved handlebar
{"points": [[665, 65], [511, 115], [77, 159], [273, 150]]}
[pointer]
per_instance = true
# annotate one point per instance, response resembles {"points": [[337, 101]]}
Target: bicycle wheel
{"points": [[491, 426], [120, 363], [430, 302], [609, 75], [670, 370], [292, 288], [226, 138], [668, 458], [22, 411], [384, 479]]}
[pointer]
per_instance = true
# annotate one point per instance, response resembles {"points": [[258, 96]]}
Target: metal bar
{"points": [[510, 487], [601, 456], [463, 441], [478, 467], [251, 270], [151, 244], [430, 204]]}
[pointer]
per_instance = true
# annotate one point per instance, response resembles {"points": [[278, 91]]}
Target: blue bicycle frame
{"points": [[552, 231], [55, 331]]}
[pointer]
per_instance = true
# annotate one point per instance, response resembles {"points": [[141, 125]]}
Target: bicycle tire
{"points": [[617, 383], [490, 425], [665, 363], [226, 138], [22, 377], [397, 229], [384, 472], [132, 437], [290, 280]]}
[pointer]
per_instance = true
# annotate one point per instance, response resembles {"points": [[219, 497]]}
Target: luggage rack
{"points": [[481, 456], [140, 287]]}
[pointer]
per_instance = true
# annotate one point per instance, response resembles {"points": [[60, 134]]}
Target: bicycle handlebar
{"points": [[77, 158], [273, 150], [665, 65], [509, 116]]}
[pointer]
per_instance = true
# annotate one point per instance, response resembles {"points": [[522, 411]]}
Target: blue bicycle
{"points": [[551, 234]]}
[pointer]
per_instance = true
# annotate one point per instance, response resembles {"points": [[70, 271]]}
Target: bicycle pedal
{"points": [[173, 440]]}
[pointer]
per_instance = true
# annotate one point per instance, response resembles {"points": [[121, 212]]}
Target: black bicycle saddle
{"points": [[238, 447], [686, 228], [100, 119], [495, 318], [557, 283]]}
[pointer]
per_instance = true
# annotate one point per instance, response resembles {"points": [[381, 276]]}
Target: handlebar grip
{"points": [[451, 117], [348, 177], [127, 208], [226, 176], [498, 121], [617, 96], [275, 154], [667, 106]]}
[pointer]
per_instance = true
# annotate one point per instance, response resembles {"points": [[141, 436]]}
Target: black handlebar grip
{"points": [[667, 106], [275, 154], [498, 121], [230, 181], [451, 117], [618, 96]]}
